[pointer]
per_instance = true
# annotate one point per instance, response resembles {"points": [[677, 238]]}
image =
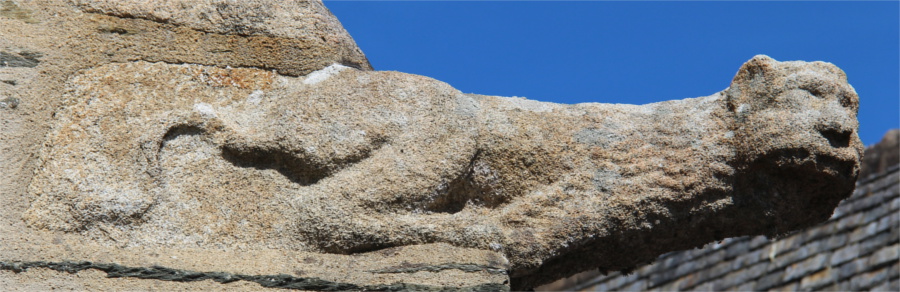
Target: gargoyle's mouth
{"points": [[812, 163], [797, 186]]}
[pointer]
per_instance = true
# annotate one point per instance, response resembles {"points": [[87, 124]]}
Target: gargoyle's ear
{"points": [[754, 76], [756, 68]]}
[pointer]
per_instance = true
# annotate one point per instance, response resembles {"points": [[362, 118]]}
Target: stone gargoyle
{"points": [[346, 161], [233, 125]]}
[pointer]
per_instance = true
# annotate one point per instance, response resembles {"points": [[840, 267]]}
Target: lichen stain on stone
{"points": [[243, 78], [117, 30], [27, 59], [10, 9], [9, 102]]}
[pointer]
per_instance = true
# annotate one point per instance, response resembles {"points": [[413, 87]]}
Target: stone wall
{"points": [[857, 249]]}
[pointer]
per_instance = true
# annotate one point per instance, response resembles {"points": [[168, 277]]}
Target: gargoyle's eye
{"points": [[814, 90]]}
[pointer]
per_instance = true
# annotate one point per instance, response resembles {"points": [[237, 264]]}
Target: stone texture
{"points": [[379, 159], [423, 267], [42, 279], [216, 129], [292, 36]]}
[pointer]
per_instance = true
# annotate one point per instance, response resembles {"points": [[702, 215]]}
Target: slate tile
{"points": [[838, 286], [714, 257], [756, 271], [814, 247], [866, 203], [687, 282], [670, 260], [842, 209], [817, 280], [747, 259], [748, 286], [883, 182], [718, 270], [889, 221], [696, 278], [787, 287], [737, 248], [622, 280], [784, 245], [862, 189], [887, 181], [704, 287], [886, 254], [758, 241], [849, 222], [863, 232], [782, 261], [770, 280], [600, 279], [615, 283], [868, 280], [698, 264], [738, 277], [886, 193], [886, 286], [800, 269], [635, 286], [876, 213], [647, 269], [851, 268], [895, 204], [671, 286], [895, 234], [894, 271], [874, 243], [844, 254], [835, 241], [685, 268], [820, 231], [700, 252], [661, 277], [602, 287], [681, 257], [723, 283]]}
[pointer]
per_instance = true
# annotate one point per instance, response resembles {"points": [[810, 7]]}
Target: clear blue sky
{"points": [[630, 52]]}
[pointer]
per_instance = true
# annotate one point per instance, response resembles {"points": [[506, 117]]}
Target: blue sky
{"points": [[630, 52]]}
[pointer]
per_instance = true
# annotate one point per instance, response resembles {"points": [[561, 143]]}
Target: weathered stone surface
{"points": [[230, 129], [290, 36], [346, 161], [423, 267]]}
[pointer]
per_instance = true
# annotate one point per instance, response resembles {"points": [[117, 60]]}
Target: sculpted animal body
{"points": [[347, 161]]}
